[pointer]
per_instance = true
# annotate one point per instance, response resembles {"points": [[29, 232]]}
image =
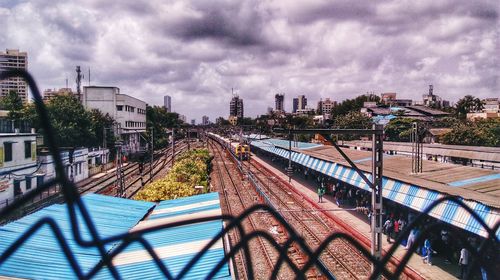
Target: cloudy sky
{"points": [[196, 51]]}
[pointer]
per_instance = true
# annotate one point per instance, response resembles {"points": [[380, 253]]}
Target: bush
{"points": [[190, 169]]}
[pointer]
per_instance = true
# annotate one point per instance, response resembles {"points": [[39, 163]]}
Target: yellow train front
{"points": [[240, 150]]}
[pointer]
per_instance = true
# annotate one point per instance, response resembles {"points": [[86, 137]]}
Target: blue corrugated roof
{"points": [[284, 143], [42, 257]]}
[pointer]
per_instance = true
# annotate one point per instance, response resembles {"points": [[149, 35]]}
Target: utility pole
{"points": [[173, 146], [376, 220], [152, 153], [119, 170], [290, 171]]}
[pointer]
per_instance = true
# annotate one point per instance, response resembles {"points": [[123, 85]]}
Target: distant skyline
{"points": [[196, 51]]}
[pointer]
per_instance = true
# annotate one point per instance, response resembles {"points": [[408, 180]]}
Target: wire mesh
{"points": [[74, 204]]}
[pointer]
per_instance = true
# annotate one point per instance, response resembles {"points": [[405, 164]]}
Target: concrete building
{"points": [[299, 103], [167, 103], [193, 122], [76, 165], [183, 118], [19, 170], [279, 101], [491, 110], [50, 93], [205, 120], [128, 112], [236, 107], [325, 107], [14, 59]]}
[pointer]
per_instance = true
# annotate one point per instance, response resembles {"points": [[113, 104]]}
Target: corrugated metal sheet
{"points": [[41, 256], [178, 245], [414, 196]]}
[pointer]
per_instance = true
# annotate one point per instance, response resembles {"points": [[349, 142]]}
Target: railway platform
{"points": [[359, 223]]}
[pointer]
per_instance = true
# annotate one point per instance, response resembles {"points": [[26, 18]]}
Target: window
{"points": [[17, 188], [28, 183], [39, 181], [27, 149], [7, 151], [119, 107]]}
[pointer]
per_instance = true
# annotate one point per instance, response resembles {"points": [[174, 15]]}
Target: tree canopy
{"points": [[466, 105], [158, 120], [350, 105]]}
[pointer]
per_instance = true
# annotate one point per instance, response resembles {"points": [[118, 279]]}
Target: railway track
{"points": [[246, 196], [132, 177], [340, 256]]}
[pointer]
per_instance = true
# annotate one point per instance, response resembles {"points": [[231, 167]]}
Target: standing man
{"points": [[428, 251], [463, 262]]}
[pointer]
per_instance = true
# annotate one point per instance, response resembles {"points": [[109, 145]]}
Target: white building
{"points": [[167, 103], [19, 170], [14, 59], [128, 112], [76, 169]]}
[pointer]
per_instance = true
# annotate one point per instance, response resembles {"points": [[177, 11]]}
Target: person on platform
{"points": [[388, 227], [463, 262], [321, 192], [428, 251]]}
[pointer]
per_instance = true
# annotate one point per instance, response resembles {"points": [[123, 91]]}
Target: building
{"points": [[432, 100], [14, 59], [236, 107], [128, 112], [491, 110], [76, 164], [19, 171], [205, 120], [305, 112], [167, 103], [193, 122], [233, 120], [325, 107], [50, 93], [382, 115], [183, 118], [279, 100], [389, 98], [299, 103]]}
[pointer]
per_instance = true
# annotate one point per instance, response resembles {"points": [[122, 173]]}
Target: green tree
{"points": [[350, 105], [474, 133], [399, 129], [353, 119], [101, 125], [158, 121], [72, 123], [466, 105], [13, 103]]}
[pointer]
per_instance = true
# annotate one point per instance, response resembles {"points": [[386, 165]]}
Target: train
{"points": [[239, 150]]}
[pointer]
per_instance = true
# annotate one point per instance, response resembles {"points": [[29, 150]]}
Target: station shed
{"points": [[479, 189]]}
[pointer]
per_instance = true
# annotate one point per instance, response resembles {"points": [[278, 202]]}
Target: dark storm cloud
{"points": [[196, 51]]}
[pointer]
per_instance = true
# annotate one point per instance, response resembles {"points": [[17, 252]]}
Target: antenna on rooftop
{"points": [[79, 78]]}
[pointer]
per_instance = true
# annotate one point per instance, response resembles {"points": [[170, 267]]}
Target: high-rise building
{"points": [[167, 103], [325, 107], [182, 118], [205, 120], [14, 59], [299, 103], [236, 107], [193, 122], [279, 102]]}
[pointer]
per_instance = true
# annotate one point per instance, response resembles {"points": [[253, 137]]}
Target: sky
{"points": [[198, 51]]}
